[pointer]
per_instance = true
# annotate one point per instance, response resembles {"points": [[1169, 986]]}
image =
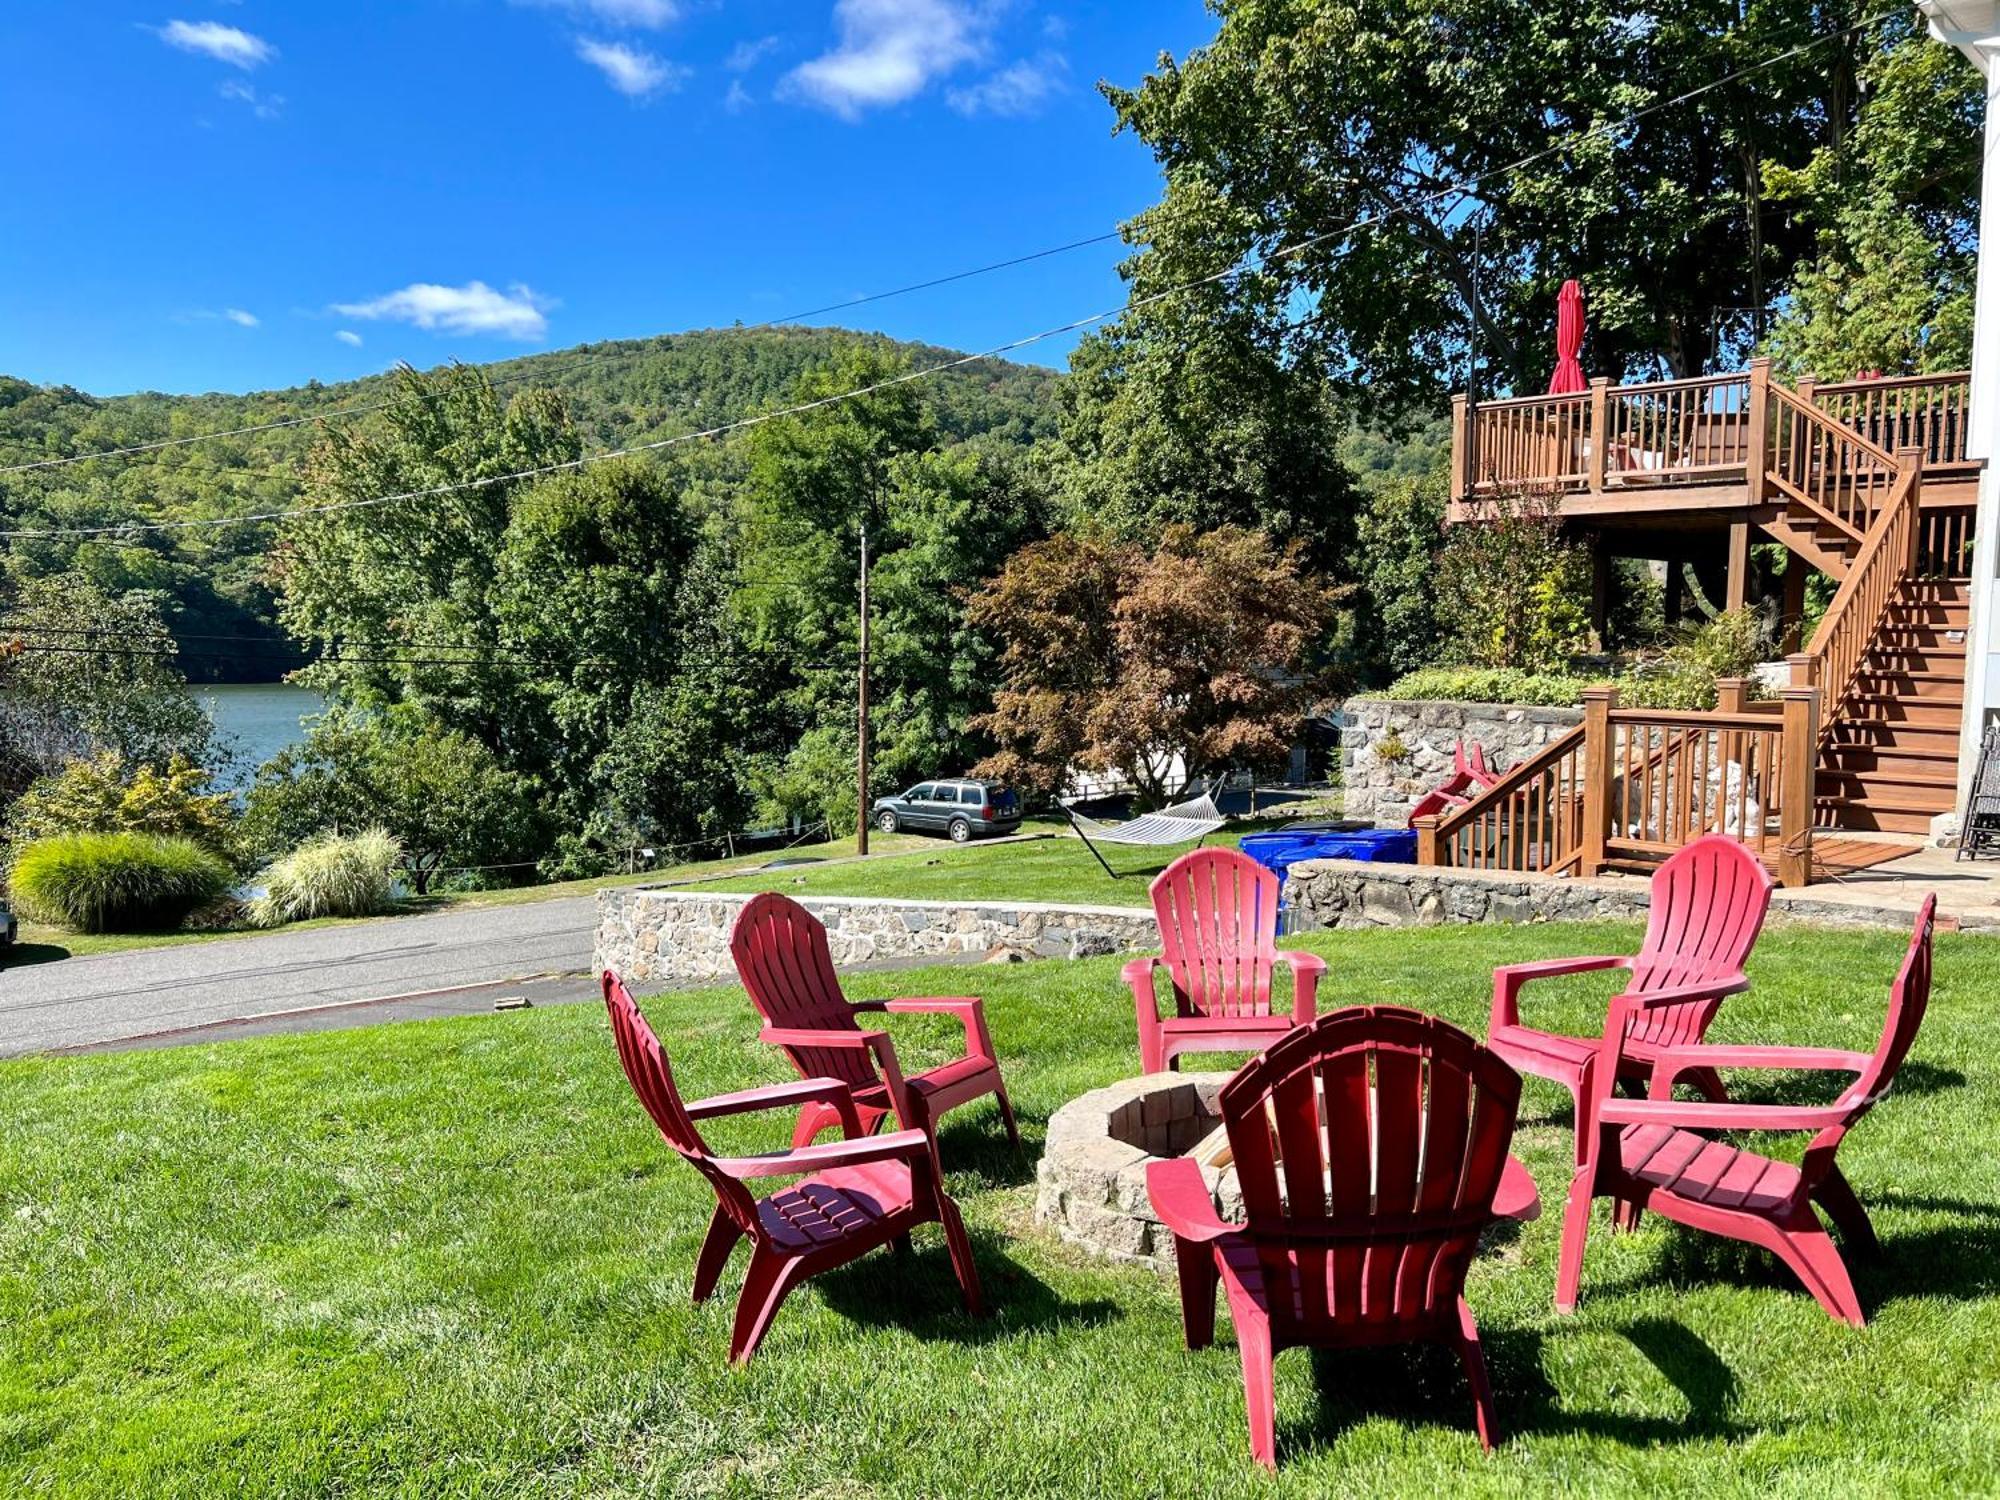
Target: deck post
{"points": [[1794, 615], [1427, 838], [1801, 777], [1671, 605], [1600, 591], [1910, 466], [1757, 444], [1736, 589], [1461, 448], [1598, 767], [1600, 430], [1805, 669]]}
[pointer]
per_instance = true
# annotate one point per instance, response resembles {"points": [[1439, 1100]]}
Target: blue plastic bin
{"points": [[1279, 851]]}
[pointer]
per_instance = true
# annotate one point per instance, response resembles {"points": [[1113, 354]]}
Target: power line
{"points": [[1456, 189], [543, 371]]}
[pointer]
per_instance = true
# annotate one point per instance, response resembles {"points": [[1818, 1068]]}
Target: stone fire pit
{"points": [[1093, 1171]]}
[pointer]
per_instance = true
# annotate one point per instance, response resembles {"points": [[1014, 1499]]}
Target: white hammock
{"points": [[1183, 822]]}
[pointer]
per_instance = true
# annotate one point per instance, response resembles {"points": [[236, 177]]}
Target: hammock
{"points": [[1195, 818]]}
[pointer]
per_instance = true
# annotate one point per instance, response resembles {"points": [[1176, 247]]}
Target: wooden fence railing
{"points": [[1889, 556], [1630, 786], [1926, 412], [1827, 467]]}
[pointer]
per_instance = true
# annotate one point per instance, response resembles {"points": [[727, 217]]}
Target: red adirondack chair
{"points": [[1470, 775], [1708, 905], [1648, 1153], [1359, 1227], [861, 1192], [782, 956], [1218, 916]]}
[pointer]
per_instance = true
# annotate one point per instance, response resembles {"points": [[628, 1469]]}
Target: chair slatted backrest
{"points": [[1708, 905], [1218, 916], [652, 1079], [1369, 1145], [783, 960]]}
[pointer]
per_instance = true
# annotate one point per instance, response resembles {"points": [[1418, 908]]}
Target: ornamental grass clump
{"points": [[334, 876], [116, 882]]}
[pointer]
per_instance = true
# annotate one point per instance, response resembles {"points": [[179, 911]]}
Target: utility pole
{"points": [[861, 715]]}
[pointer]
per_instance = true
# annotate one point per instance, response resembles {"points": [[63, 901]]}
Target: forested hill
{"points": [[216, 580]]}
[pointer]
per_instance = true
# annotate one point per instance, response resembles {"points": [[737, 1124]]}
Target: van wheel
{"points": [[960, 830], [886, 822]]}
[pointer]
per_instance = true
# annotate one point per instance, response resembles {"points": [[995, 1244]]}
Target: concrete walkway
{"points": [[115, 997]]}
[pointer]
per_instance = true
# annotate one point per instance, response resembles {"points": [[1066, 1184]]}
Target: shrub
{"points": [[1684, 675], [1489, 685], [1515, 593], [329, 877], [107, 794], [116, 882]]}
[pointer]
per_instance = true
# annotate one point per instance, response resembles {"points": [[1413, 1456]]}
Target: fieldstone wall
{"points": [[1392, 753], [657, 938], [1331, 893]]}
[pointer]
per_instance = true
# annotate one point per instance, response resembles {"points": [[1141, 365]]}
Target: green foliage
{"points": [[1512, 591], [1488, 685], [116, 882], [107, 794], [1400, 534], [441, 795], [1684, 675], [330, 876]]}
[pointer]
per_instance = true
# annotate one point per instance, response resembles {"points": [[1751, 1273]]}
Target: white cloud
{"points": [[517, 313], [263, 106], [889, 50], [239, 317], [348, 337], [632, 71], [738, 98], [645, 14], [227, 44], [1017, 89], [746, 55]]}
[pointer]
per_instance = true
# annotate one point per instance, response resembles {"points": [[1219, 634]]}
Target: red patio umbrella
{"points": [[1568, 379]]}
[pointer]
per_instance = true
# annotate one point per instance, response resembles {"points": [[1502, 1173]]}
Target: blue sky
{"points": [[231, 196]]}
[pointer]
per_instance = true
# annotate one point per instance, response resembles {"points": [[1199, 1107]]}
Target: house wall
{"points": [[1381, 785]]}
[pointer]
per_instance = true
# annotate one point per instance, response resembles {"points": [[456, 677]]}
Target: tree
{"points": [[1114, 658], [441, 794], [1397, 627], [105, 794], [1513, 590]]}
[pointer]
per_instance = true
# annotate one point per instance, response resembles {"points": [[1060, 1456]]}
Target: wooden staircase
{"points": [[1889, 757]]}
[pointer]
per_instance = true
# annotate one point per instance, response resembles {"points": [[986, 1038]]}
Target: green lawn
{"points": [[452, 1258]]}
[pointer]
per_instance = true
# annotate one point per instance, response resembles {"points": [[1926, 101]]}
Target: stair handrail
{"points": [[1832, 661], [1825, 465], [1436, 834]]}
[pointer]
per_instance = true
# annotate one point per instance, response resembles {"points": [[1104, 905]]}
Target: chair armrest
{"points": [[1508, 979], [1181, 1199], [1518, 1198], [1306, 971], [1138, 973], [1669, 1065], [971, 1013], [900, 1144], [876, 1042], [779, 1096], [1680, 994], [1686, 1114]]}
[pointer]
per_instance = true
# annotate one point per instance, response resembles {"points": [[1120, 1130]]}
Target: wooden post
{"points": [[1600, 433], [1736, 588], [1732, 695], [1910, 467], [1808, 389], [1801, 779], [1600, 591], [1598, 770], [1794, 617], [1461, 448], [861, 712], [1427, 839], [1671, 605], [1805, 669], [1757, 446]]}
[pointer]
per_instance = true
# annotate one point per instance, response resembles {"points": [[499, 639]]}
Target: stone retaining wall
{"points": [[1383, 787], [657, 938]]}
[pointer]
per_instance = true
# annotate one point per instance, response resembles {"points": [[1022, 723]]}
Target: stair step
{"points": [[1927, 688], [1890, 709], [1888, 788], [1853, 817], [1930, 661]]}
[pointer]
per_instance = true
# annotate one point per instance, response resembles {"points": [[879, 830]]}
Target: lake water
{"points": [[256, 720]]}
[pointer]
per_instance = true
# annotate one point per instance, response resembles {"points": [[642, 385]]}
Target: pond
{"points": [[256, 720]]}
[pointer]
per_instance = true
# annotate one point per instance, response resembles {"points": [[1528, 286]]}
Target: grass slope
{"points": [[452, 1258]]}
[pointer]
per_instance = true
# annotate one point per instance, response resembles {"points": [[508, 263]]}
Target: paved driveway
{"points": [[81, 1001]]}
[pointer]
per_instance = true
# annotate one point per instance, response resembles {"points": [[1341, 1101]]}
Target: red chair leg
{"points": [[1836, 1196], [721, 1239], [1260, 1393], [770, 1279], [813, 1118], [1576, 1229], [1811, 1253], [1198, 1276], [1006, 1111], [1474, 1360], [960, 1245]]}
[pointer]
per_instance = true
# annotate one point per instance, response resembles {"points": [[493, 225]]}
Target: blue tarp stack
{"points": [[1279, 850]]}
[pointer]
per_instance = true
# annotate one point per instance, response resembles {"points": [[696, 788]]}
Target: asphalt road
{"points": [[118, 997]]}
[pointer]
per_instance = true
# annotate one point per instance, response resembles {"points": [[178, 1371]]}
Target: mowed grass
{"points": [[453, 1258]]}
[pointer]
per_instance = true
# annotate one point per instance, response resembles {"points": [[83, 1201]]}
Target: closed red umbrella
{"points": [[1568, 379]]}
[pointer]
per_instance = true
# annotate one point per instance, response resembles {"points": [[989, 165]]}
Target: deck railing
{"points": [[1829, 468], [1926, 412], [1630, 786]]}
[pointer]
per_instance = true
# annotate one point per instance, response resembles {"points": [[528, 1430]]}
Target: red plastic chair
{"points": [[1708, 905], [1218, 916], [1391, 1131], [782, 956], [861, 1193], [1648, 1152], [1470, 775]]}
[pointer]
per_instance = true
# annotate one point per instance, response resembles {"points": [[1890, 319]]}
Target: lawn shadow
{"points": [[1424, 1385], [20, 955], [979, 1145], [916, 1290]]}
